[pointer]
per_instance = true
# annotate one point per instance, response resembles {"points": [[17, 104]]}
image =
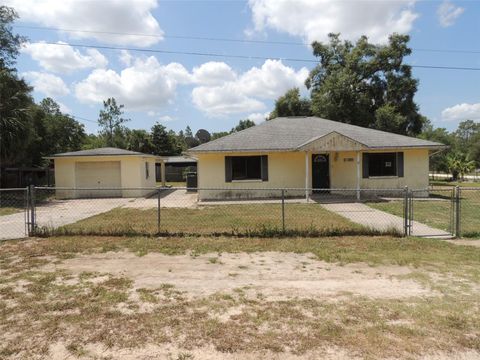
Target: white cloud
{"points": [[213, 73], [243, 93], [448, 13], [462, 112], [125, 57], [258, 117], [48, 84], [313, 20], [145, 85], [165, 118], [64, 58], [103, 17]]}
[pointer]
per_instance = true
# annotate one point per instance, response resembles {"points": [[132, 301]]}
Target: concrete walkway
{"points": [[380, 220]]}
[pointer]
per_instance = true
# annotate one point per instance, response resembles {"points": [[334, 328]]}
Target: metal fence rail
{"points": [[44, 211]]}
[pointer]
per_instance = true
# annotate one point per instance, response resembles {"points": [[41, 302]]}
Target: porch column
{"points": [[307, 174], [358, 175], [162, 172]]}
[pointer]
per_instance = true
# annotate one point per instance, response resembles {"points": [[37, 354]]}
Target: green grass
{"points": [[454, 183], [437, 212], [9, 210], [243, 219]]}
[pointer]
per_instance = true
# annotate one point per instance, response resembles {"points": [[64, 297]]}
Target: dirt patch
{"points": [[270, 275]]}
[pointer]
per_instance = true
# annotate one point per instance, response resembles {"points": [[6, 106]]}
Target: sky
{"points": [[150, 55]]}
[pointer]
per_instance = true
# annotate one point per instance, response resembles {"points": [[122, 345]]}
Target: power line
{"points": [[186, 37], [82, 118], [233, 56]]}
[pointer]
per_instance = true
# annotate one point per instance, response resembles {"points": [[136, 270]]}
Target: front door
{"points": [[320, 172]]}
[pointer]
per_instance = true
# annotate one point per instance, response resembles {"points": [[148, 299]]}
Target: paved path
{"points": [[381, 220], [63, 212], [57, 213]]}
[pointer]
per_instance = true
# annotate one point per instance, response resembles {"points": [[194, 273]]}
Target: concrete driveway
{"points": [[380, 220], [63, 212]]}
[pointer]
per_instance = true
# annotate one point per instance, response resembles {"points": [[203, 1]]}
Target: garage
{"points": [[96, 176], [104, 172]]}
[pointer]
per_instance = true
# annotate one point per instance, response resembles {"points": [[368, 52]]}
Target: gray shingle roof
{"points": [[106, 151], [290, 133]]}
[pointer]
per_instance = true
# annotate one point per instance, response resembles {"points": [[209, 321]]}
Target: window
{"points": [[147, 171], [246, 168], [382, 164]]}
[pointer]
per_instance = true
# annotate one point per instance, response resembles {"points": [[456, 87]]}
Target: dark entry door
{"points": [[320, 171]]}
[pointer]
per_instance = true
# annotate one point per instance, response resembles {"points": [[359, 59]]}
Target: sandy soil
{"points": [[276, 276], [58, 351]]}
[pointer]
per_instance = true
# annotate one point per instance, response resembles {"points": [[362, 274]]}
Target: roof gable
{"points": [[333, 140]]}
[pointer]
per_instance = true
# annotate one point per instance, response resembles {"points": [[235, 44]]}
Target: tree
{"points": [[203, 136], [15, 105], [218, 135], [291, 104], [459, 164], [365, 84], [9, 42], [242, 125], [438, 161], [190, 140], [162, 141], [111, 121], [139, 140]]}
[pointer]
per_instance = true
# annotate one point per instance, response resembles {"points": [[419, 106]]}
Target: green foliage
{"points": [[139, 140], [291, 104], [458, 164], [242, 125], [164, 142], [15, 104], [9, 42], [365, 84], [112, 123]]}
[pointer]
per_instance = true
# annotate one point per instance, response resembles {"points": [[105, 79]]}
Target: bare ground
{"points": [[277, 276], [68, 298]]}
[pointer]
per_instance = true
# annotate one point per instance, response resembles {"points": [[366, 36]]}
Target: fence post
{"points": [[158, 211], [406, 212], [457, 212], [33, 225], [283, 210]]}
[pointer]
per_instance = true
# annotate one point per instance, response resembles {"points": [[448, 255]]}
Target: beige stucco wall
{"points": [[132, 170], [287, 170]]}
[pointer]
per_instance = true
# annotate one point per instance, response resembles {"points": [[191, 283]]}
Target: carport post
{"points": [[358, 175], [162, 172], [158, 211]]}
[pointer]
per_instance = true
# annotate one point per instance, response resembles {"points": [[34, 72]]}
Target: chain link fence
{"points": [[44, 211], [13, 213]]}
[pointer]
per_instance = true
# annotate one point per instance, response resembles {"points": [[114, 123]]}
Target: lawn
{"points": [[241, 219], [437, 212], [9, 210], [203, 298]]}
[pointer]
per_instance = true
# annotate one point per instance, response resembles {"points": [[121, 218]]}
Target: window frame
{"points": [[397, 165], [235, 174]]}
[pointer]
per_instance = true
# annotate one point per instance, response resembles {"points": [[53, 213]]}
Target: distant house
{"points": [[104, 172], [310, 152]]}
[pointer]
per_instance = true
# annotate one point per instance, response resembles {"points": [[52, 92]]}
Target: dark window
{"points": [[147, 171], [246, 167], [382, 164]]}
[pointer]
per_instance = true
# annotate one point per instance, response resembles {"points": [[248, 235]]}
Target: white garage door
{"points": [[98, 175]]}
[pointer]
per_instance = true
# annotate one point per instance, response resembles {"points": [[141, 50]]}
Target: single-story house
{"points": [[310, 152], [104, 172], [175, 168]]}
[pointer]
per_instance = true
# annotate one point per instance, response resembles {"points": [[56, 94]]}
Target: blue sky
{"points": [[215, 92]]}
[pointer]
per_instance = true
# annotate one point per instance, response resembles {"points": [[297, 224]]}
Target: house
{"points": [[176, 167], [310, 152], [104, 172]]}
